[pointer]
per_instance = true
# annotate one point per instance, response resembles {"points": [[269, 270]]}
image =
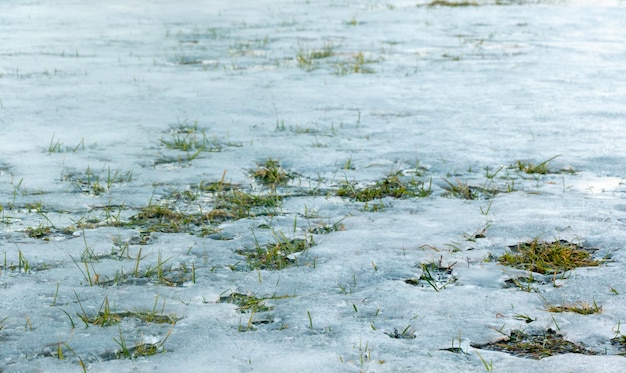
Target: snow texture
{"points": [[92, 92]]}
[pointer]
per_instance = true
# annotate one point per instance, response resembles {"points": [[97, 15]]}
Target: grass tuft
{"points": [[358, 64], [434, 274], [548, 257], [277, 255], [140, 349], [161, 218], [249, 302], [581, 308], [326, 228], [406, 333], [271, 173], [307, 58], [107, 317], [448, 3], [191, 139], [391, 186], [541, 168], [536, 345]]}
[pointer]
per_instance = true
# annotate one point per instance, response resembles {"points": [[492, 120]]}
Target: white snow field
{"points": [[311, 186]]}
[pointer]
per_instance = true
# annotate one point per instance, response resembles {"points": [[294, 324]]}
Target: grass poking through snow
{"points": [[393, 185], [535, 345], [581, 308], [548, 257]]}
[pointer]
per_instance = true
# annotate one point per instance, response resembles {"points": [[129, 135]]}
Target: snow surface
{"points": [[453, 89]]}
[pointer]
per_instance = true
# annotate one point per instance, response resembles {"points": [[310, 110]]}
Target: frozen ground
{"points": [[92, 93]]}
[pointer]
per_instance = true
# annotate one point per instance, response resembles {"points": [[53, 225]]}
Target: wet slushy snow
{"points": [[94, 94]]}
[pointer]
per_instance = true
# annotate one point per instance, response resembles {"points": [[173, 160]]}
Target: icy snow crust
{"points": [[442, 93]]}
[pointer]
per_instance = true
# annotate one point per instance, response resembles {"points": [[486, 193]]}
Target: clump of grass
{"points": [[107, 317], [619, 341], [536, 345], [466, 191], [227, 202], [531, 168], [162, 218], [326, 228], [185, 127], [277, 255], [271, 173], [548, 257], [581, 308], [391, 186], [39, 232], [189, 138], [250, 302], [238, 205], [96, 183], [306, 58], [434, 274], [460, 190], [524, 283], [356, 65], [56, 146], [406, 333], [46, 232], [160, 273], [140, 349], [22, 265], [230, 202], [448, 3], [218, 186], [167, 275]]}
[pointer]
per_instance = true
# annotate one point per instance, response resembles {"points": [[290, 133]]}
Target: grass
{"points": [[448, 3], [535, 345], [460, 190], [526, 284], [46, 232], [306, 59], [357, 64], [326, 228], [167, 275], [249, 302], [581, 308], [277, 255], [56, 146], [107, 317], [226, 201], [406, 333], [196, 211], [160, 273], [140, 349], [548, 257], [191, 143], [271, 173], [619, 341], [540, 168], [393, 185], [162, 218], [238, 205], [188, 137], [434, 274], [97, 183], [354, 63], [465, 191]]}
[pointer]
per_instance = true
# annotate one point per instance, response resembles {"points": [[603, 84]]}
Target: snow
{"points": [[452, 90]]}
